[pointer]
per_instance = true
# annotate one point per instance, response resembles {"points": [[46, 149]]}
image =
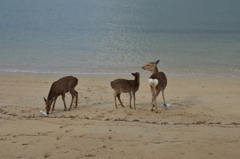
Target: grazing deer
{"points": [[157, 81], [126, 86], [60, 87]]}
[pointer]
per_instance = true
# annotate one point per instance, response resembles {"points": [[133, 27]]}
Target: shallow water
{"points": [[106, 37]]}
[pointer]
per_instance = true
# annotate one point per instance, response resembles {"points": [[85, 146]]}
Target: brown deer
{"points": [[126, 86], [60, 87], [157, 81]]}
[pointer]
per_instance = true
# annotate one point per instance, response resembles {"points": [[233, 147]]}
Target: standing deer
{"points": [[157, 81], [60, 87], [126, 86]]}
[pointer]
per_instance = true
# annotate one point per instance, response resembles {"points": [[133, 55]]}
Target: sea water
{"points": [[190, 38]]}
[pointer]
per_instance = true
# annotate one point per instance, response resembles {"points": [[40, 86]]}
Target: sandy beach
{"points": [[203, 120]]}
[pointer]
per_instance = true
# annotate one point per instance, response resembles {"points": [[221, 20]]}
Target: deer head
{"points": [[48, 105], [136, 74], [151, 66]]}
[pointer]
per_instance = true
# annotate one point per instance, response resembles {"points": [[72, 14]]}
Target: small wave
{"points": [[168, 72]]}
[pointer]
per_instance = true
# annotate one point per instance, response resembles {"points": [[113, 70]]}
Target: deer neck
{"points": [[155, 70], [50, 95], [137, 79]]}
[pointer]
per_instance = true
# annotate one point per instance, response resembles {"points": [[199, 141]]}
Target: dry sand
{"points": [[202, 122]]}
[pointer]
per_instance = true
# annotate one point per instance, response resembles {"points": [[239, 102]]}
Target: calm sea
{"points": [[190, 38]]}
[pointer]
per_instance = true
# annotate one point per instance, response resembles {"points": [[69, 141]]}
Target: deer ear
{"points": [[133, 74], [45, 100], [157, 62]]}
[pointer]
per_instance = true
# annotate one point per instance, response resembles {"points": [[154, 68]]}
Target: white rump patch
{"points": [[153, 82]]}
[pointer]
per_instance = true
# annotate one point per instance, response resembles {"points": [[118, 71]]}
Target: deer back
{"points": [[63, 85], [161, 77], [124, 85]]}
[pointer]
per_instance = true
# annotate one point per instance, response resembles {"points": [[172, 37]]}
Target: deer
{"points": [[126, 86], [61, 87], [157, 81]]}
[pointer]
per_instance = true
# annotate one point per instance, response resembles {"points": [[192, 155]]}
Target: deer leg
{"points": [[152, 91], [164, 103], [73, 94], [53, 108], [115, 100], [130, 95], [76, 94], [134, 98], [155, 99], [63, 98], [118, 95], [153, 104]]}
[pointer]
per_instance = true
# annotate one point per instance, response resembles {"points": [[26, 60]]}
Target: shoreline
{"points": [[203, 120], [142, 72]]}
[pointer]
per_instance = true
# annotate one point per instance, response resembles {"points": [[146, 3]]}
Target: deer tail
{"points": [[153, 82]]}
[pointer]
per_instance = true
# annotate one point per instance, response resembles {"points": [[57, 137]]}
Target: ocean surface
{"points": [[190, 38]]}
